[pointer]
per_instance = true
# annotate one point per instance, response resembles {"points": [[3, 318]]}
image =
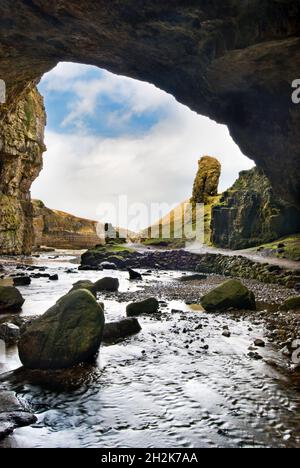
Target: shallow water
{"points": [[161, 388]]}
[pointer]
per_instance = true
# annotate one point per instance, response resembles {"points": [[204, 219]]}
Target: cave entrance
{"points": [[109, 136]]}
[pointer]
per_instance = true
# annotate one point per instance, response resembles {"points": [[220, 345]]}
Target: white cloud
{"points": [[83, 171]]}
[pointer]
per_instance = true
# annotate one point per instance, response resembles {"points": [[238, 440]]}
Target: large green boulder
{"points": [[231, 294], [67, 334], [11, 300], [292, 303], [149, 306]]}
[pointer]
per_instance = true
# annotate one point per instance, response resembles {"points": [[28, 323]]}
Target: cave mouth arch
{"points": [[121, 136]]}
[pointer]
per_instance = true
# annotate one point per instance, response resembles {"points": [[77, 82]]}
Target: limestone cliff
{"points": [[207, 179], [61, 230], [251, 213], [21, 149]]}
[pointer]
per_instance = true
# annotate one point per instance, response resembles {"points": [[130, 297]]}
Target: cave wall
{"points": [[250, 213], [232, 60], [21, 150]]}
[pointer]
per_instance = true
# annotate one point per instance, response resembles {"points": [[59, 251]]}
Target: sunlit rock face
{"points": [[61, 230], [233, 61], [207, 179], [21, 149], [250, 213]]}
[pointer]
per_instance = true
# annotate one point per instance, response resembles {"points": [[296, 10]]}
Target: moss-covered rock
{"points": [[83, 284], [231, 294], [149, 306], [293, 303], [11, 300], [207, 179], [250, 213], [67, 334]]}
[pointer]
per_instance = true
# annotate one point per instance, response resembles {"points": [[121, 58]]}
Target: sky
{"points": [[109, 136]]}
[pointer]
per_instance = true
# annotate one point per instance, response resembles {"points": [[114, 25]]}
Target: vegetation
{"points": [[287, 247]]}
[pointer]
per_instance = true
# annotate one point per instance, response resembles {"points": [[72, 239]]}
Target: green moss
{"points": [[29, 111], [112, 249], [290, 251]]}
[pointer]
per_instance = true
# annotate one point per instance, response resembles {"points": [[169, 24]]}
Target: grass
{"points": [[112, 249], [176, 240], [291, 247]]}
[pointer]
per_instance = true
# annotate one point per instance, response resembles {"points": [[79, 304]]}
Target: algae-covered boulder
{"points": [[231, 294], [106, 284], [11, 300], [119, 330], [149, 306], [293, 303], [67, 334]]}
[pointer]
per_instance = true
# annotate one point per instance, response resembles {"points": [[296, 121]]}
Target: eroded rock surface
{"points": [[207, 179], [21, 150], [251, 213]]}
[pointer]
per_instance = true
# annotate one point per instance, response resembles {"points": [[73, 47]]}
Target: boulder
{"points": [[196, 277], [293, 303], [134, 275], [149, 306], [119, 330], [106, 284], [22, 280], [231, 294], [108, 266], [53, 277], [11, 299], [13, 414], [9, 333], [67, 334]]}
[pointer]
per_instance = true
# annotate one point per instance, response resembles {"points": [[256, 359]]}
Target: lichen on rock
{"points": [[21, 150]]}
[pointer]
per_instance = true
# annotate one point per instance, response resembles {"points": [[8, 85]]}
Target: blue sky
{"points": [[109, 136]]}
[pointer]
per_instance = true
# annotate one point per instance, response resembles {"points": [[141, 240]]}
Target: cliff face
{"points": [[21, 149], [231, 60], [207, 180], [61, 230], [251, 213]]}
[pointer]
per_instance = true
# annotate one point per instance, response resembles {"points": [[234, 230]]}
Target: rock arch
{"points": [[233, 61]]}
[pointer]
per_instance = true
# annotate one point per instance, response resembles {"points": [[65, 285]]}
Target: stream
{"points": [[178, 383]]}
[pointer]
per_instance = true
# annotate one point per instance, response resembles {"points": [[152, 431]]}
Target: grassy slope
{"points": [[174, 241], [291, 248]]}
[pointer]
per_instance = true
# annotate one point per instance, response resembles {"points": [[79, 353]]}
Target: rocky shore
{"points": [[164, 311], [235, 266]]}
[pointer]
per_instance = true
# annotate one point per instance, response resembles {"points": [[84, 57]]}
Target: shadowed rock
{"points": [[149, 306], [122, 329], [13, 414], [134, 275], [11, 299]]}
